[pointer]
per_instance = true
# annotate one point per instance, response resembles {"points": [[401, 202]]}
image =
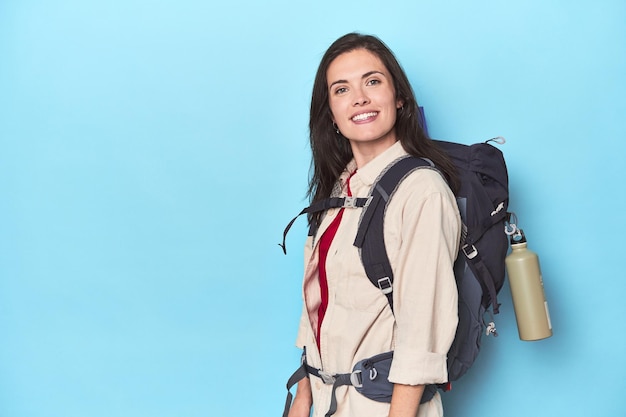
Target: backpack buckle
{"points": [[355, 379], [349, 202], [327, 378], [473, 251], [353, 202], [385, 285]]}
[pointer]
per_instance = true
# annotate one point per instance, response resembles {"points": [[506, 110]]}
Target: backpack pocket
{"points": [[371, 377]]}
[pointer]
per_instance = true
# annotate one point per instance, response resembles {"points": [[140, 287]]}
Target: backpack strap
{"points": [[296, 377], [482, 274], [336, 380], [323, 205], [370, 237]]}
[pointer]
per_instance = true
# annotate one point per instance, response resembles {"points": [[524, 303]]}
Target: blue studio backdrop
{"points": [[151, 153]]}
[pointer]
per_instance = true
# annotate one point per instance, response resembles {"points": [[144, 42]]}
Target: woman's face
{"points": [[362, 100]]}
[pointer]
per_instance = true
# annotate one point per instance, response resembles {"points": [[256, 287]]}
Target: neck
{"points": [[364, 152]]}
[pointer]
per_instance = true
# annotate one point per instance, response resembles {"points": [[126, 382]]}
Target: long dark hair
{"points": [[331, 152]]}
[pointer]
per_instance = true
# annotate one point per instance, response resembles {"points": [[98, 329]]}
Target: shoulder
{"points": [[421, 183], [423, 193], [423, 201]]}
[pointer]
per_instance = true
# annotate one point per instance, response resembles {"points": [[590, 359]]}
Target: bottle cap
{"points": [[518, 237]]}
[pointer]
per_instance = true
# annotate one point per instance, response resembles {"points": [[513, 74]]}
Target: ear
{"points": [[399, 104]]}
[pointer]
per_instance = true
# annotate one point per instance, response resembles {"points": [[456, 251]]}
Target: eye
{"points": [[373, 81], [340, 90]]}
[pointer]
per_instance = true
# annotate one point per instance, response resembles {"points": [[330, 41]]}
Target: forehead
{"points": [[354, 64]]}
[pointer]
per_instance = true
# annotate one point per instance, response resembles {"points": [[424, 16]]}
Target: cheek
{"points": [[332, 103], [335, 110]]}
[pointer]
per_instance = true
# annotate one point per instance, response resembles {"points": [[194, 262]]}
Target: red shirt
{"points": [[325, 241]]}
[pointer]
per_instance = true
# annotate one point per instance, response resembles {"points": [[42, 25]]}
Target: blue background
{"points": [[151, 153]]}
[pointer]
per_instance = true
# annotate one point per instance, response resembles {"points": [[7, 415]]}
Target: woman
{"points": [[364, 117]]}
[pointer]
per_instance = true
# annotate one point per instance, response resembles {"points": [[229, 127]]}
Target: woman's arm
{"points": [[424, 288], [405, 400], [301, 406]]}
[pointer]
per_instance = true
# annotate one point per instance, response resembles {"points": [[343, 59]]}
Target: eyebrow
{"points": [[367, 74]]}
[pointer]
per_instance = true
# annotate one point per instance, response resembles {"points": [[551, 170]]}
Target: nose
{"points": [[360, 98]]}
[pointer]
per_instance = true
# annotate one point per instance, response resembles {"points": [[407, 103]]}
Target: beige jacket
{"points": [[422, 231]]}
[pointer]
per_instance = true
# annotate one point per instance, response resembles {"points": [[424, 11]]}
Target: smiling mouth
{"points": [[364, 116]]}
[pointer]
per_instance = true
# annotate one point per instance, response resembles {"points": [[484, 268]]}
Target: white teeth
{"points": [[364, 116]]}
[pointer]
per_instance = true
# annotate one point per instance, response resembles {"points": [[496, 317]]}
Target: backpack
{"points": [[479, 269]]}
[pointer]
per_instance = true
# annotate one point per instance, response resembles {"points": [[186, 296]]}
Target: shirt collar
{"points": [[370, 171]]}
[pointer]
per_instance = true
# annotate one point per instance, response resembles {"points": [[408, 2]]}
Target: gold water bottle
{"points": [[529, 299]]}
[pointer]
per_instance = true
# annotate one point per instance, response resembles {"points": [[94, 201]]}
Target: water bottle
{"points": [[529, 299]]}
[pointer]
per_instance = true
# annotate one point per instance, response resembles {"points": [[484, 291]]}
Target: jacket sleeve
{"points": [[425, 294]]}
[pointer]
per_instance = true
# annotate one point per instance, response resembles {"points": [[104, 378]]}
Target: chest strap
{"points": [[326, 204]]}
